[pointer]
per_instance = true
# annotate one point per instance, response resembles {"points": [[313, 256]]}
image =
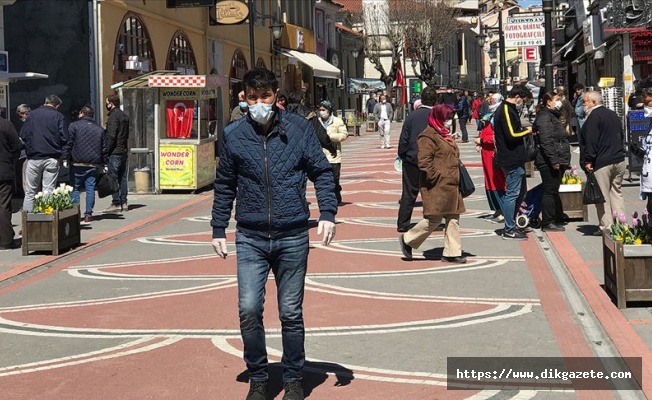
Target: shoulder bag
{"points": [[466, 183]]}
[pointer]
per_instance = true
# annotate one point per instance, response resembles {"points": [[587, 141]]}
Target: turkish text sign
{"points": [[524, 31]]}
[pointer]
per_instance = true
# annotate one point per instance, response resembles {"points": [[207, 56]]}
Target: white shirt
{"points": [[383, 111]]}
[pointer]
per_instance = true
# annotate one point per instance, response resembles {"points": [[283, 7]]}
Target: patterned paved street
{"points": [[152, 314]]}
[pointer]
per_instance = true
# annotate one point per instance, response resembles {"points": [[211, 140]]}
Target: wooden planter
{"points": [[627, 270], [571, 201], [51, 232]]}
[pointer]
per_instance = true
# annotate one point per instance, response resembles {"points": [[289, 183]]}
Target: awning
{"points": [[320, 67], [17, 76], [568, 47], [142, 81]]}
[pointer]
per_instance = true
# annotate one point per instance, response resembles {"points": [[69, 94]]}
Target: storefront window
{"points": [[260, 63], [238, 71], [133, 50], [181, 57]]}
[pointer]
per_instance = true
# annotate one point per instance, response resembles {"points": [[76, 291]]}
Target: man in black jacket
{"points": [[602, 151], [511, 155], [295, 104], [10, 146], [415, 123], [117, 143], [86, 151], [44, 134]]}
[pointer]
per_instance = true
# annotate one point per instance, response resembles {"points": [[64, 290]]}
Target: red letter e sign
{"points": [[530, 54]]}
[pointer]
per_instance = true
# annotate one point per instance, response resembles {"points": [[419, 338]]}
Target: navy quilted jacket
{"points": [[267, 177], [87, 143]]}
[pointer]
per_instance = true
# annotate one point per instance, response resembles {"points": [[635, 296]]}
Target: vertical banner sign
{"points": [[176, 166], [3, 96], [179, 116]]}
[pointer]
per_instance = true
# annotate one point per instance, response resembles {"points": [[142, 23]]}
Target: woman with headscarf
{"points": [[494, 178], [439, 183], [336, 129], [553, 158]]}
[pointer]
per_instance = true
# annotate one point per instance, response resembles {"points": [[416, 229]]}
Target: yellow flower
{"points": [[564, 180], [49, 210], [619, 238], [638, 241], [571, 181]]}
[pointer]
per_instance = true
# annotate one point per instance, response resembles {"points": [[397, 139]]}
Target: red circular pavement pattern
{"points": [[167, 328]]}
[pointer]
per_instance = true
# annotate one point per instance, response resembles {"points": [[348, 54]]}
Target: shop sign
{"points": [[530, 54], [230, 12], [524, 31], [365, 85], [176, 166], [642, 46], [179, 93], [606, 82]]}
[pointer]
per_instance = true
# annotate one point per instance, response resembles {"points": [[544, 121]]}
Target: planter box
{"points": [[627, 271], [571, 201], [51, 232]]}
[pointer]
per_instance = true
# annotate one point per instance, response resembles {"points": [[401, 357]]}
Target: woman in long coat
{"points": [[552, 159], [439, 184]]}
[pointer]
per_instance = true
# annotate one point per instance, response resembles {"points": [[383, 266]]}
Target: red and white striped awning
{"points": [[177, 81]]}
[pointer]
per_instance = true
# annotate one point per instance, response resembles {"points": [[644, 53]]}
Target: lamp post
{"points": [[547, 53], [501, 46], [276, 27]]}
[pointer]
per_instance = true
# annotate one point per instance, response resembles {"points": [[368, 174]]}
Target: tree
{"points": [[433, 26], [423, 27]]}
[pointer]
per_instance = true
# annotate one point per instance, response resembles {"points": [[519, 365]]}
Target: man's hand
{"points": [[588, 166], [219, 245], [328, 229]]}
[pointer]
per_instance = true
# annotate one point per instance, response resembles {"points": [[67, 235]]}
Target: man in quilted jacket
{"points": [[265, 162], [86, 151]]}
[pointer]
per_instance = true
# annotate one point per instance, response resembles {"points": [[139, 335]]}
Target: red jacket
{"points": [[475, 106]]}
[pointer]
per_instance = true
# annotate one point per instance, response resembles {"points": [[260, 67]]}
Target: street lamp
{"points": [[482, 37], [547, 53], [276, 27]]}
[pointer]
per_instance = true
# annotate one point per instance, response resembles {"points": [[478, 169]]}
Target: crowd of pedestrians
{"points": [[32, 157]]}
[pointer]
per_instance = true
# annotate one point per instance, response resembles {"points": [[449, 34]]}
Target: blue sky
{"points": [[527, 3]]}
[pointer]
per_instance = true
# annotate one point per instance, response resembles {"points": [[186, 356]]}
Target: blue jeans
{"points": [[86, 176], [514, 195], [288, 259], [118, 165]]}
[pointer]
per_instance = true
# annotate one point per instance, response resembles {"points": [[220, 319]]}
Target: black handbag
{"points": [[466, 183], [531, 148], [107, 185], [592, 192]]}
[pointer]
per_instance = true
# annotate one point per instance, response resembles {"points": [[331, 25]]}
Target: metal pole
{"points": [[343, 89], [252, 21], [547, 53], [501, 49]]}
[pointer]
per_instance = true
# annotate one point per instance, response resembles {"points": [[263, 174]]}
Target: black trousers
{"points": [[551, 208], [408, 196], [6, 229], [337, 169]]}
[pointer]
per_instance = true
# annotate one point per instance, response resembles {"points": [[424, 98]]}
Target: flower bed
{"points": [[627, 256]]}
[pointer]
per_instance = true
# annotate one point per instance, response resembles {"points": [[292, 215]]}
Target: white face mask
{"points": [[261, 112], [448, 124], [558, 104], [324, 114], [648, 111]]}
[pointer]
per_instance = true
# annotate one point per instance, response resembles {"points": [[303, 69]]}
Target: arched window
{"points": [[260, 63], [181, 57], [133, 50], [238, 71]]}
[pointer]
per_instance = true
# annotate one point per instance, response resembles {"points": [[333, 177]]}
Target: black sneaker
{"points": [[553, 228], [514, 235], [293, 391], [257, 390], [405, 248], [458, 259]]}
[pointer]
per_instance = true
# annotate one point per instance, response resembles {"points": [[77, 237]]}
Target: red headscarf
{"points": [[438, 117]]}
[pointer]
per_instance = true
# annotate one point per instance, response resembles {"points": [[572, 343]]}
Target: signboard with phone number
{"points": [[524, 31]]}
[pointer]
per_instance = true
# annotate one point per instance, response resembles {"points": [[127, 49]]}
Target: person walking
{"points": [[117, 143], [463, 115], [265, 162], [86, 151], [371, 104], [602, 151], [383, 114], [296, 105], [414, 124], [44, 133], [578, 106], [10, 146], [511, 155], [240, 110], [646, 150], [553, 158], [566, 110], [475, 108], [494, 177], [439, 184], [336, 129]]}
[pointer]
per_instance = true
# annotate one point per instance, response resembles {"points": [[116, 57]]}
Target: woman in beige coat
{"points": [[336, 129], [439, 184]]}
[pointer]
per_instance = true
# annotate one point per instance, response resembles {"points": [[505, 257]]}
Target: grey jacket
{"points": [[377, 108]]}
